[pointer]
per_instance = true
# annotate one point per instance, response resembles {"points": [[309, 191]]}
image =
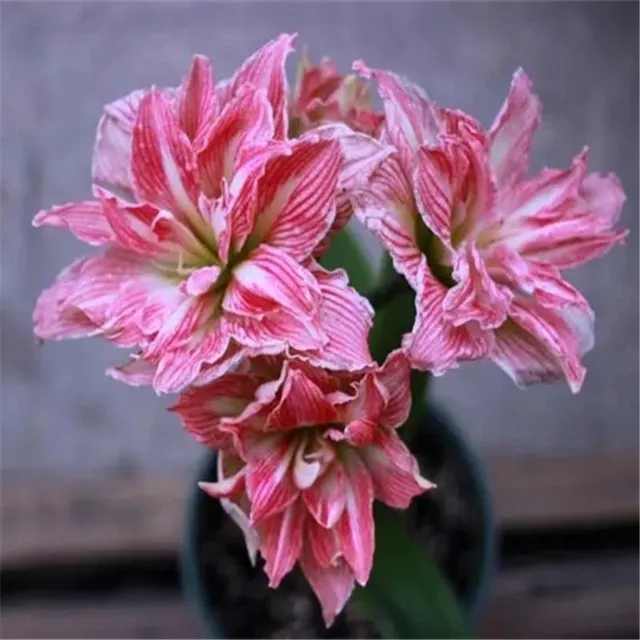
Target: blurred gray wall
{"points": [[62, 61]]}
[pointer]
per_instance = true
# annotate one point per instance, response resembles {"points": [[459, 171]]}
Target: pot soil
{"points": [[232, 598]]}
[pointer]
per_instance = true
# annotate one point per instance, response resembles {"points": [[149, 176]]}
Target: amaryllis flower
{"points": [[209, 258], [323, 95], [302, 456], [482, 245]]}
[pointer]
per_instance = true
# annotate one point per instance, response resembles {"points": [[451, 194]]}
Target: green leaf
{"points": [[407, 595], [346, 253]]}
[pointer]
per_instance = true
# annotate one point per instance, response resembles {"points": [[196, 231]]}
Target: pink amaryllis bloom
{"points": [[323, 95], [209, 254], [303, 454], [482, 245]]}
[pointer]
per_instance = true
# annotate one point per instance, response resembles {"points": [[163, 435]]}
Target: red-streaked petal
{"points": [[386, 208], [269, 483], [297, 199], [265, 69], [53, 319], [245, 121], [163, 164], [85, 220], [196, 99], [356, 526], [346, 318], [325, 498], [581, 231], [201, 280], [368, 404], [395, 377], [511, 133], [394, 471], [111, 163], [542, 345], [206, 353], [434, 344], [269, 279], [332, 585], [408, 110], [301, 404], [476, 297], [137, 372], [438, 179], [281, 542], [202, 408]]}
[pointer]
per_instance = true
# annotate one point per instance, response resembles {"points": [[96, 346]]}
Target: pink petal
{"points": [[202, 408], [85, 220], [476, 297], [137, 372], [206, 353], [196, 99], [266, 69], [356, 526], [111, 163], [394, 471], [346, 318], [276, 332], [270, 279], [434, 344], [301, 404], [582, 230], [201, 280], [369, 402], [245, 123], [281, 542], [163, 164], [332, 585], [386, 207], [512, 131], [542, 345], [323, 543], [297, 199], [395, 377], [325, 498], [269, 483], [53, 319], [409, 112]]}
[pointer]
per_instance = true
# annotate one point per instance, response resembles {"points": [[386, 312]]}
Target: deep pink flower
{"points": [[482, 245], [323, 95], [302, 456], [210, 256]]}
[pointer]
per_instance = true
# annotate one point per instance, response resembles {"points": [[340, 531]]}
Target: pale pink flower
{"points": [[323, 95], [482, 245], [303, 454], [210, 257]]}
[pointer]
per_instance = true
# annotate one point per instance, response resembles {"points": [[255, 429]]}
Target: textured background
{"points": [[62, 61]]}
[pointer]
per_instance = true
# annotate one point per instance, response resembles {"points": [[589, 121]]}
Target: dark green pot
{"points": [[203, 513]]}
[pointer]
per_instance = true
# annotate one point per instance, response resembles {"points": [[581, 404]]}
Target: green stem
{"points": [[388, 292]]}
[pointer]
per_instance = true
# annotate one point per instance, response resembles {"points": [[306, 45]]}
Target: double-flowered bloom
{"points": [[483, 246], [212, 204]]}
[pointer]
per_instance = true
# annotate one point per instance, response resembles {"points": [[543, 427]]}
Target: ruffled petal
{"points": [[325, 498], [196, 99], [85, 220], [512, 131], [395, 377]]}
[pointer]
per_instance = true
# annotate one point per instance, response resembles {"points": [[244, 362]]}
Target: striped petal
{"points": [[196, 105], [265, 69], [86, 221], [395, 377], [163, 165], [394, 471], [332, 585], [434, 344], [512, 131], [270, 279], [356, 526], [297, 204], [325, 498]]}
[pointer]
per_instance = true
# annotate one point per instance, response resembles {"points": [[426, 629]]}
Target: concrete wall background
{"points": [[61, 61]]}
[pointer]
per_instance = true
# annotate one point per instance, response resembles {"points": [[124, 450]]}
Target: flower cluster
{"points": [[212, 204]]}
